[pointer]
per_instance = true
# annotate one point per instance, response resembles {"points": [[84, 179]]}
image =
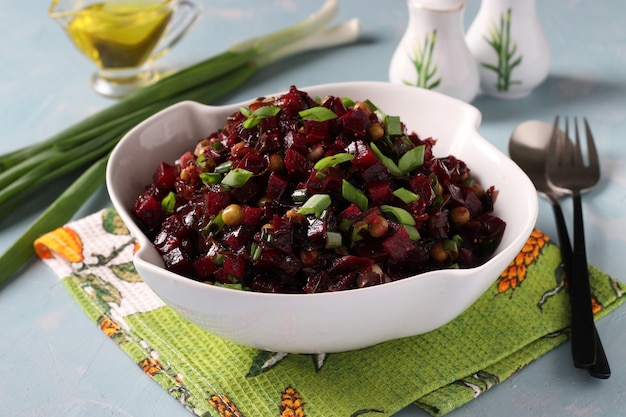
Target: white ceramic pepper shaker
{"points": [[510, 46], [432, 53]]}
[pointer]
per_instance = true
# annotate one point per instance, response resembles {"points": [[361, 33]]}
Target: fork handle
{"points": [[583, 338], [601, 368]]}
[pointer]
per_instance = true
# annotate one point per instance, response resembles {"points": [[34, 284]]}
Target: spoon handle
{"points": [[600, 368]]}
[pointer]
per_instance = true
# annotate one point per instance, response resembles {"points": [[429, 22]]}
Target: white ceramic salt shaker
{"points": [[510, 46], [432, 53]]}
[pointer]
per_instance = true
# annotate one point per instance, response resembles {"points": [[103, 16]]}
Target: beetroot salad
{"points": [[297, 195]]}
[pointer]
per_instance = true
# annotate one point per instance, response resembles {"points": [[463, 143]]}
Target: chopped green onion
{"points": [[333, 240], [218, 259], [224, 167], [316, 204], [386, 161], [317, 114], [411, 159], [379, 113], [237, 177], [255, 251], [332, 160], [169, 202], [357, 229], [414, 234], [255, 117], [451, 247], [344, 225], [406, 196], [209, 178], [393, 126], [347, 101], [215, 225], [232, 286], [300, 195], [354, 195], [398, 214]]}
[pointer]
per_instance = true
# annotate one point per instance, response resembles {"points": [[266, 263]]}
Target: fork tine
{"points": [[553, 147], [577, 157], [567, 157], [594, 160]]}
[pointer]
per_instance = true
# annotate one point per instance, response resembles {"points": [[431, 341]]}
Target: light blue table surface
{"points": [[55, 362]]}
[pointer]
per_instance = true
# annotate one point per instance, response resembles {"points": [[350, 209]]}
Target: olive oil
{"points": [[119, 34]]}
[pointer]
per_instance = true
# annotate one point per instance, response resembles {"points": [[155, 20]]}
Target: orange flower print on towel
{"points": [[291, 404], [108, 326], [515, 273], [63, 241], [151, 365], [224, 406]]}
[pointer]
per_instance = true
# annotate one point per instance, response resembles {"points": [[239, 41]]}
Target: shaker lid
{"points": [[438, 5]]}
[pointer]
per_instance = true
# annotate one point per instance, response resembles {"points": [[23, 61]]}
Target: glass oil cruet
{"points": [[510, 46], [433, 54]]}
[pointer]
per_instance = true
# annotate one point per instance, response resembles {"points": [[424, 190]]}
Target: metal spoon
{"points": [[528, 147]]}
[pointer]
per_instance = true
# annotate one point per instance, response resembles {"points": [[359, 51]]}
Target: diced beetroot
{"points": [[204, 267], [438, 224], [350, 213], [316, 228], [336, 105], [149, 211], [165, 176], [380, 192], [398, 245], [250, 191], [363, 155], [267, 283], [269, 260], [186, 159], [165, 242], [349, 263], [215, 201], [252, 162], [269, 138], [371, 249], [297, 165], [276, 262], [328, 183], [343, 282], [237, 237], [355, 123], [420, 184], [316, 132], [175, 226], [465, 196], [234, 265], [317, 283], [276, 186], [252, 217], [221, 277], [283, 235], [375, 172], [177, 260]]}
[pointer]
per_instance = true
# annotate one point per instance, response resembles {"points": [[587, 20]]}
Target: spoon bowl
{"points": [[528, 147]]}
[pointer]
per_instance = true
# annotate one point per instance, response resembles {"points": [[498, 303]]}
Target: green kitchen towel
{"points": [[523, 315]]}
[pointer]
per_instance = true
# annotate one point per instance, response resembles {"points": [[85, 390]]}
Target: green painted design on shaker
{"points": [[500, 40], [422, 60]]}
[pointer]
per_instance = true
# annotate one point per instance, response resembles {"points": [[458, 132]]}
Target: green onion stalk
{"points": [[89, 142]]}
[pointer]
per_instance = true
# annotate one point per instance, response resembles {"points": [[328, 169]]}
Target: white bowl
{"points": [[340, 321]]}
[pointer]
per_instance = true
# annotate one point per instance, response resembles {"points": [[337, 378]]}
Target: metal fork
{"points": [[566, 170]]}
